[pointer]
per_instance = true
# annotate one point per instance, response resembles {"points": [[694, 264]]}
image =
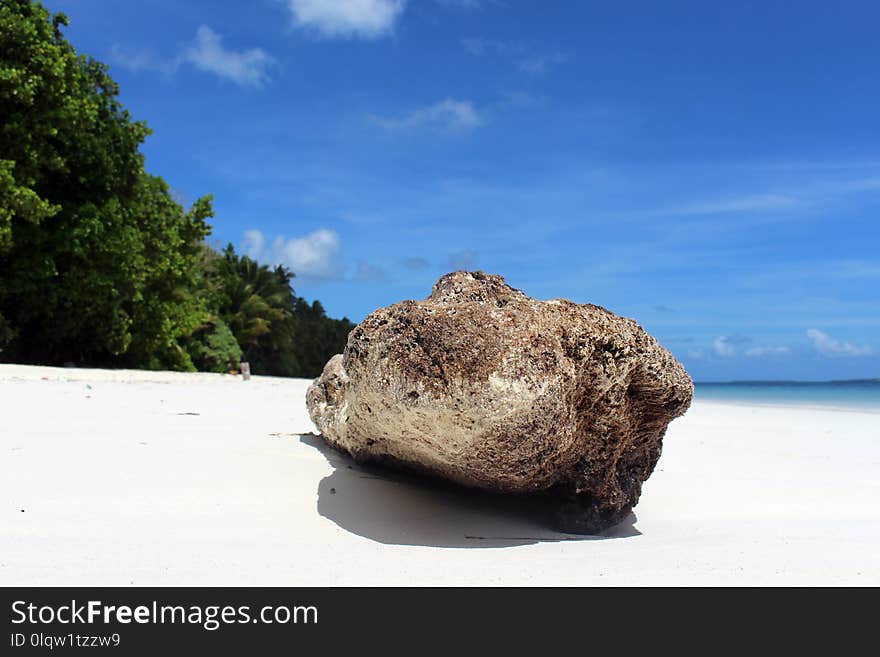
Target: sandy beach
{"points": [[154, 478]]}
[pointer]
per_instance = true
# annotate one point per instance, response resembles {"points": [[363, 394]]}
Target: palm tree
{"points": [[257, 305]]}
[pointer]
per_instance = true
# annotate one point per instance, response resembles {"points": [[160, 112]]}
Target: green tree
{"points": [[99, 264], [97, 261], [256, 302], [317, 337], [213, 347], [280, 334]]}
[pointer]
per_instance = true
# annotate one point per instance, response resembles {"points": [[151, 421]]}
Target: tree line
{"points": [[100, 265]]}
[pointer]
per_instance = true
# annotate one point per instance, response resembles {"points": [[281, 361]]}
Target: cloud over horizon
{"points": [[764, 352], [725, 345], [828, 346]]}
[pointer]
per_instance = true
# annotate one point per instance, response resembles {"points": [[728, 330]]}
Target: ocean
{"points": [[860, 395]]}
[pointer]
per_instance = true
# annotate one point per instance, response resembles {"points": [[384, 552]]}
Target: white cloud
{"points": [[364, 18], [255, 245], [247, 67], [206, 53], [449, 114], [828, 346], [312, 255], [722, 347], [764, 352], [725, 345]]}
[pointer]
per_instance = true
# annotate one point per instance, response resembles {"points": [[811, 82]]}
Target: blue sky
{"points": [[709, 169]]}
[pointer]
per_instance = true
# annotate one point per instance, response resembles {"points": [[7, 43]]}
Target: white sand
{"points": [[107, 478]]}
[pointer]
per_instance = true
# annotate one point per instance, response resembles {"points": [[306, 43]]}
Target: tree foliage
{"points": [[97, 257], [279, 333], [99, 264], [213, 347], [317, 336], [257, 304]]}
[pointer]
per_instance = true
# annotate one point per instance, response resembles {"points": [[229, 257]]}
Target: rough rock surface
{"points": [[484, 386]]}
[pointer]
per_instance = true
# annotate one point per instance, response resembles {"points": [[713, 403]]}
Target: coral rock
{"points": [[481, 385]]}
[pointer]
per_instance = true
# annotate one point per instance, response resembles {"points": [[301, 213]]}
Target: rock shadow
{"points": [[397, 508]]}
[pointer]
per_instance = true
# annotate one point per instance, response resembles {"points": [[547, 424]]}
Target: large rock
{"points": [[484, 386]]}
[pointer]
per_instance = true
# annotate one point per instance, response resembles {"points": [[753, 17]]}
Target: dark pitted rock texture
{"points": [[484, 386]]}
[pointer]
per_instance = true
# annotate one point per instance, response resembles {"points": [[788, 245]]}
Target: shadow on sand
{"points": [[401, 509]]}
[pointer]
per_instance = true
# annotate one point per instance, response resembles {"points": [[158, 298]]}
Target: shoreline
{"points": [[15, 372], [791, 405]]}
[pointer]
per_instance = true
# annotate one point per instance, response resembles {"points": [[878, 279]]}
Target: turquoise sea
{"points": [[861, 394]]}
